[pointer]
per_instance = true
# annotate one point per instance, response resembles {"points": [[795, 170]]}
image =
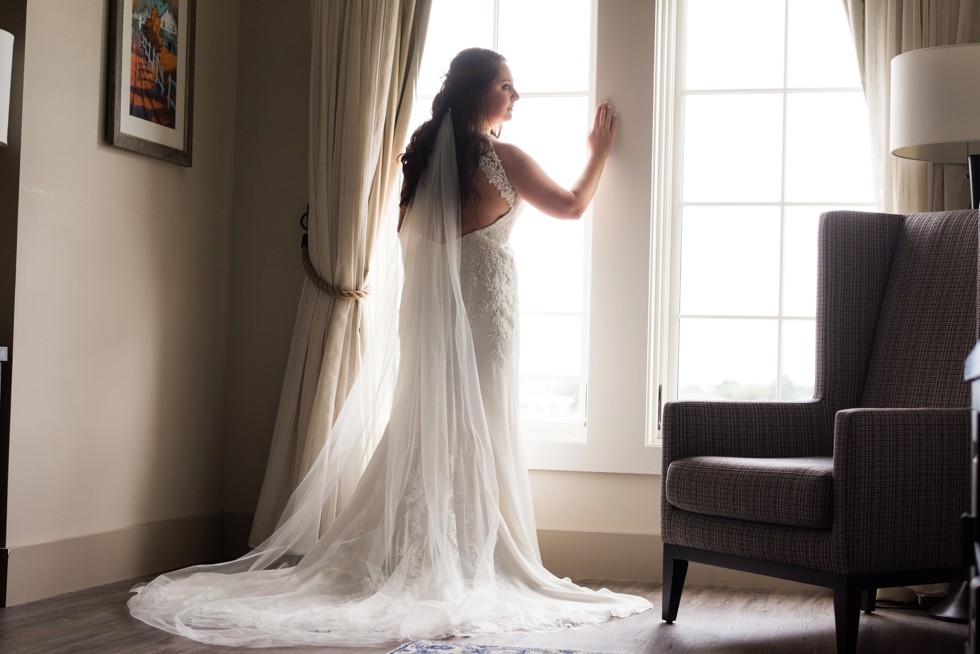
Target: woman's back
{"points": [[485, 204]]}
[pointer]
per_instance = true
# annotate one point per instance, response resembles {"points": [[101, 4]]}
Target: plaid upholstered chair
{"points": [[862, 487]]}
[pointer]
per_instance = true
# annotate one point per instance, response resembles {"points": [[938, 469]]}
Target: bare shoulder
{"points": [[508, 153], [520, 168]]}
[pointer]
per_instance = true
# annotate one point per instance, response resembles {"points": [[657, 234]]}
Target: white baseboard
{"points": [[48, 569], [635, 557]]}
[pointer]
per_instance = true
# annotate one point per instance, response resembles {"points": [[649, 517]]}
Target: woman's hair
{"points": [[470, 75]]}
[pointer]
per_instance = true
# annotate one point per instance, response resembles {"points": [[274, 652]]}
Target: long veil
{"points": [[422, 549], [426, 502]]}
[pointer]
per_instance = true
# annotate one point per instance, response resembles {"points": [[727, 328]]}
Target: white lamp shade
{"points": [[935, 103], [6, 65]]}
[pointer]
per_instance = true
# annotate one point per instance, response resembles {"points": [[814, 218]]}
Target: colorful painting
{"points": [[153, 67], [149, 106]]}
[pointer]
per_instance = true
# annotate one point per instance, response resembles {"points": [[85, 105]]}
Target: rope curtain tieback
{"points": [[311, 272], [327, 287]]}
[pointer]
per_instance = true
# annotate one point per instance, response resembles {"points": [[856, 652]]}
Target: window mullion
{"points": [[782, 208]]}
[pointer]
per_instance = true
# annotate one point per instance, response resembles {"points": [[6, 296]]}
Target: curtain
{"points": [[883, 29], [364, 61]]}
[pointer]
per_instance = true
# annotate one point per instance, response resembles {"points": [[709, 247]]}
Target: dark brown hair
{"points": [[470, 75]]}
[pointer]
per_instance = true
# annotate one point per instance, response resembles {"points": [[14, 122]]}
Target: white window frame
{"points": [[635, 262], [627, 241], [566, 433]]}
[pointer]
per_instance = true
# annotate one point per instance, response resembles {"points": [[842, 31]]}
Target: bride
{"points": [[439, 537]]}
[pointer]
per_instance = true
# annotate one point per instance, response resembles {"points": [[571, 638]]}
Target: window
{"points": [[553, 74], [771, 131], [590, 320], [695, 274]]}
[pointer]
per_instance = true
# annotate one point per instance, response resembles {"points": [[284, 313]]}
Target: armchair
{"points": [[863, 486]]}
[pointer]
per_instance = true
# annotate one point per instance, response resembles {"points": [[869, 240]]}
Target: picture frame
{"points": [[150, 85]]}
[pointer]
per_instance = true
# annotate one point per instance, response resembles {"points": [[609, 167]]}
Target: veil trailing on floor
{"points": [[427, 500], [422, 550]]}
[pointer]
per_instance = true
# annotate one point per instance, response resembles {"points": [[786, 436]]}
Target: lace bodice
{"points": [[488, 268]]}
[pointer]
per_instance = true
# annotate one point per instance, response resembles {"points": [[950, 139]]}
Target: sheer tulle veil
{"points": [[422, 550], [435, 430]]}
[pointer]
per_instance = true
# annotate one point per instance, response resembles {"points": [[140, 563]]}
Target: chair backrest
{"points": [[927, 323], [855, 255]]}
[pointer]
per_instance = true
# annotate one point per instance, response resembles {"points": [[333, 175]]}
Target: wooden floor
{"points": [[711, 620]]}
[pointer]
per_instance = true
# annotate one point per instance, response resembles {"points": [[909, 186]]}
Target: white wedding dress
{"points": [[439, 536]]}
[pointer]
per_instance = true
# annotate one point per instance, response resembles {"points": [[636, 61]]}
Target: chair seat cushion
{"points": [[798, 492]]}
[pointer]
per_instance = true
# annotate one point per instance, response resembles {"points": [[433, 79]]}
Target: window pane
{"points": [[550, 252], [546, 43], [730, 261], [820, 27], [550, 262], [453, 26], [727, 359], [733, 147], [828, 153], [799, 359], [800, 261], [551, 368], [734, 45], [553, 131], [550, 257], [748, 138]]}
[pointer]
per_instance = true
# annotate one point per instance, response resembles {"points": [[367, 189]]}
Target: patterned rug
{"points": [[442, 647]]}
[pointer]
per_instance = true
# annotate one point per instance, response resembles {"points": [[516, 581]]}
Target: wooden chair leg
{"points": [[847, 614], [869, 600], [675, 570]]}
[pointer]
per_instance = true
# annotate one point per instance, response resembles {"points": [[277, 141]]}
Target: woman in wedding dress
{"points": [[439, 537]]}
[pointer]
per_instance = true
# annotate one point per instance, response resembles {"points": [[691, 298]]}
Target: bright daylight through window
{"points": [[553, 74], [740, 122], [772, 131]]}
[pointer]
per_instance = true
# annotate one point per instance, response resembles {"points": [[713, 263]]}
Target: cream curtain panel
{"points": [[365, 57], [883, 29]]}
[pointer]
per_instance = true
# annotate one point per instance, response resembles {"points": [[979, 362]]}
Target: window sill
{"points": [[595, 457]]}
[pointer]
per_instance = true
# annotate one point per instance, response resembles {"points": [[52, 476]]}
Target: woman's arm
{"points": [[534, 185]]}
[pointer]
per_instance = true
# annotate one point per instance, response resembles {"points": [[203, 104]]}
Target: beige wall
{"points": [[121, 305]]}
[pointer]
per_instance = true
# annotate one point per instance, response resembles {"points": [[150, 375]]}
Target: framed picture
{"points": [[150, 104]]}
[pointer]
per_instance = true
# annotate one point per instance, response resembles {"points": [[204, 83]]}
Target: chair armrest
{"points": [[752, 429], [901, 482]]}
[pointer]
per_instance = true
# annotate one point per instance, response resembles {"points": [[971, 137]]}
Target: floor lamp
{"points": [[935, 116], [935, 108]]}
